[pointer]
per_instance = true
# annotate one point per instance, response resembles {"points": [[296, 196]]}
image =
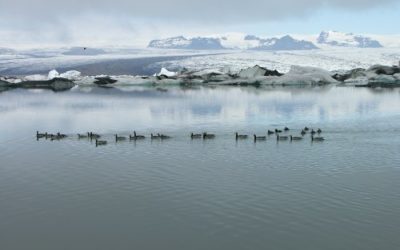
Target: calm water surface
{"points": [[194, 194]]}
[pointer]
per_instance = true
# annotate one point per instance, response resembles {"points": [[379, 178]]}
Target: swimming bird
{"points": [[269, 132], [82, 136], [282, 138], [40, 135], [296, 138], [164, 137], [119, 138], [259, 138], [306, 129], [208, 136], [278, 131], [286, 129], [313, 132], [100, 143], [317, 138], [92, 135], [61, 135], [303, 132], [57, 137], [319, 131], [240, 136], [196, 136], [136, 136], [155, 137]]}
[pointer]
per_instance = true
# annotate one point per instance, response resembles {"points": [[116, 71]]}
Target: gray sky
{"points": [[84, 21]]}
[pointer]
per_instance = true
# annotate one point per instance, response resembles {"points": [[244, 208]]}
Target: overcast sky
{"points": [[133, 22]]}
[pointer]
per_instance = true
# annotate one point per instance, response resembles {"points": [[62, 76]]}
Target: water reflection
{"points": [[147, 108]]}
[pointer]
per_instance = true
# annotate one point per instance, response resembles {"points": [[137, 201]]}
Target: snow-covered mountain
{"points": [[180, 42], [283, 43], [232, 41], [335, 38]]}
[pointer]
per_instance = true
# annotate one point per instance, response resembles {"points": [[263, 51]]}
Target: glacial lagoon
{"points": [[180, 193]]}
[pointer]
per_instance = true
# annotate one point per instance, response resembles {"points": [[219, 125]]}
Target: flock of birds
{"points": [[315, 136]]}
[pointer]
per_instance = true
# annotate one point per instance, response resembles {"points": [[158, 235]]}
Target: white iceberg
{"points": [[165, 72], [71, 75], [53, 74]]}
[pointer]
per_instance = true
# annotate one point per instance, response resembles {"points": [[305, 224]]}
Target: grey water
{"points": [[180, 193]]}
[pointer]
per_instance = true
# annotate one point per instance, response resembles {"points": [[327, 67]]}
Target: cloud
{"points": [[47, 21], [204, 10]]}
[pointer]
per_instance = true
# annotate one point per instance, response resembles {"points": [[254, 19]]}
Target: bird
{"points": [[40, 135], [82, 136], [319, 131], [303, 132], [286, 129], [196, 136], [313, 132], [57, 137], [259, 138], [278, 131], [281, 138], [92, 135], [164, 137], [317, 138], [84, 48], [100, 143], [296, 138], [61, 135], [136, 137], [208, 136], [269, 132], [119, 138], [240, 136], [155, 137], [306, 129]]}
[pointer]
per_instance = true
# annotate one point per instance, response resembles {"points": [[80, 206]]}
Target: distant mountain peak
{"points": [[335, 38], [232, 41], [181, 42]]}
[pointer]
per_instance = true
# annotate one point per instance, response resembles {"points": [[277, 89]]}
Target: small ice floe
{"points": [[167, 73]]}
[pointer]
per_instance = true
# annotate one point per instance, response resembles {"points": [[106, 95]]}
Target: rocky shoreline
{"points": [[375, 76]]}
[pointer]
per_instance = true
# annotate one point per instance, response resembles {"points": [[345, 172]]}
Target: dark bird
{"points": [[269, 132], [306, 129], [259, 138], [319, 131], [82, 136], [303, 132], [119, 138], [40, 135], [240, 136], [196, 136], [136, 136], [278, 131], [92, 135], [100, 143], [286, 129], [296, 138], [155, 137], [208, 136], [164, 137], [317, 138], [282, 138]]}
